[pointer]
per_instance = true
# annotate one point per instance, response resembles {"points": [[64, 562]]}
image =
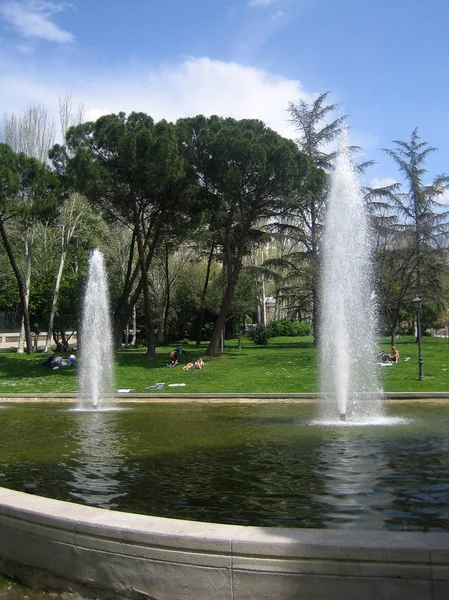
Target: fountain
{"points": [[240, 471], [96, 375], [348, 307]]}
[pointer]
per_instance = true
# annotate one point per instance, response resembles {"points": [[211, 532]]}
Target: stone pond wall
{"points": [[107, 554]]}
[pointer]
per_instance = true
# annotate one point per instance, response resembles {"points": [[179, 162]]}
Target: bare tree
{"points": [[72, 214], [33, 134]]}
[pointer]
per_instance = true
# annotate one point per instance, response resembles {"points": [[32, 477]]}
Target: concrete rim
{"points": [[218, 397]]}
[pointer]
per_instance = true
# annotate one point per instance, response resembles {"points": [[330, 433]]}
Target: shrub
{"points": [[260, 335], [285, 327]]}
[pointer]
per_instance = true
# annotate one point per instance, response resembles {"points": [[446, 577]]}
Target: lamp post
{"points": [[418, 307]]}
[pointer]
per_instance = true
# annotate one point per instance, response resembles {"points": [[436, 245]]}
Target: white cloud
{"points": [[196, 86], [33, 19], [382, 182], [444, 198]]}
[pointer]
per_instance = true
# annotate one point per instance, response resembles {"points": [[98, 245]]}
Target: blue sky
{"points": [[385, 63]]}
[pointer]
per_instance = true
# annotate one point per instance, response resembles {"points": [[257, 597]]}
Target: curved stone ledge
{"points": [[122, 555], [216, 398]]}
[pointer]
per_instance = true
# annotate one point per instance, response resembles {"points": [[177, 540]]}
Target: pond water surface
{"points": [[246, 464]]}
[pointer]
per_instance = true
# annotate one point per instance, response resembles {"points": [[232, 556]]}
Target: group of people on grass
{"points": [[174, 361], [391, 357], [55, 361]]}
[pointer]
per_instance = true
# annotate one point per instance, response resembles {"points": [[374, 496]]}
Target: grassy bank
{"points": [[286, 365]]}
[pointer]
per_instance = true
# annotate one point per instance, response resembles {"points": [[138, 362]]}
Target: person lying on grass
{"points": [[198, 364]]}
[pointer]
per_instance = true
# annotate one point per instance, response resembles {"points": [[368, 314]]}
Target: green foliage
{"points": [[132, 170], [287, 327], [260, 335], [185, 298], [412, 234], [250, 175]]}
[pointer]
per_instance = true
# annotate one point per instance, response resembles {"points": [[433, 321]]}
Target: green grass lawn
{"points": [[286, 365]]}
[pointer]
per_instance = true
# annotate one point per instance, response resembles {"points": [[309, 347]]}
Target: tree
{"points": [[412, 232], [28, 192], [419, 206], [249, 174], [75, 219], [131, 169], [33, 135], [315, 133], [74, 213]]}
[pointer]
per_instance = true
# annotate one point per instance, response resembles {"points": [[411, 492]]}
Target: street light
{"points": [[418, 307]]}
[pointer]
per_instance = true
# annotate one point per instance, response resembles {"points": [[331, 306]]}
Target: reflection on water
{"points": [[351, 467], [266, 465], [97, 461]]}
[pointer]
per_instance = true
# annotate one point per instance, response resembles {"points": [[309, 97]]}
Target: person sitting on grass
{"points": [[394, 355], [173, 360], [382, 356]]}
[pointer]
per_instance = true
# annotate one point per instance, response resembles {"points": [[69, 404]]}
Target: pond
{"points": [[247, 464]]}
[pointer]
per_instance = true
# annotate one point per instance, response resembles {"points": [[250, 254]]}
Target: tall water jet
{"points": [[348, 329], [96, 374]]}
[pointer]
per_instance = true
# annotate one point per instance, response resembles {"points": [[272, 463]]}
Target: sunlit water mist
{"points": [[349, 382], [96, 374]]}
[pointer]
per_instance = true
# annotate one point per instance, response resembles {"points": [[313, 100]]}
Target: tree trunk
{"points": [[21, 342], [127, 335], [199, 333], [122, 311], [129, 295], [151, 347], [22, 290], [393, 337], [212, 349], [134, 338], [54, 304], [167, 299], [264, 298], [315, 315], [22, 336]]}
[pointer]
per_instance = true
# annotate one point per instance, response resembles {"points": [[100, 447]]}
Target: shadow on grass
{"points": [[18, 366], [286, 345]]}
